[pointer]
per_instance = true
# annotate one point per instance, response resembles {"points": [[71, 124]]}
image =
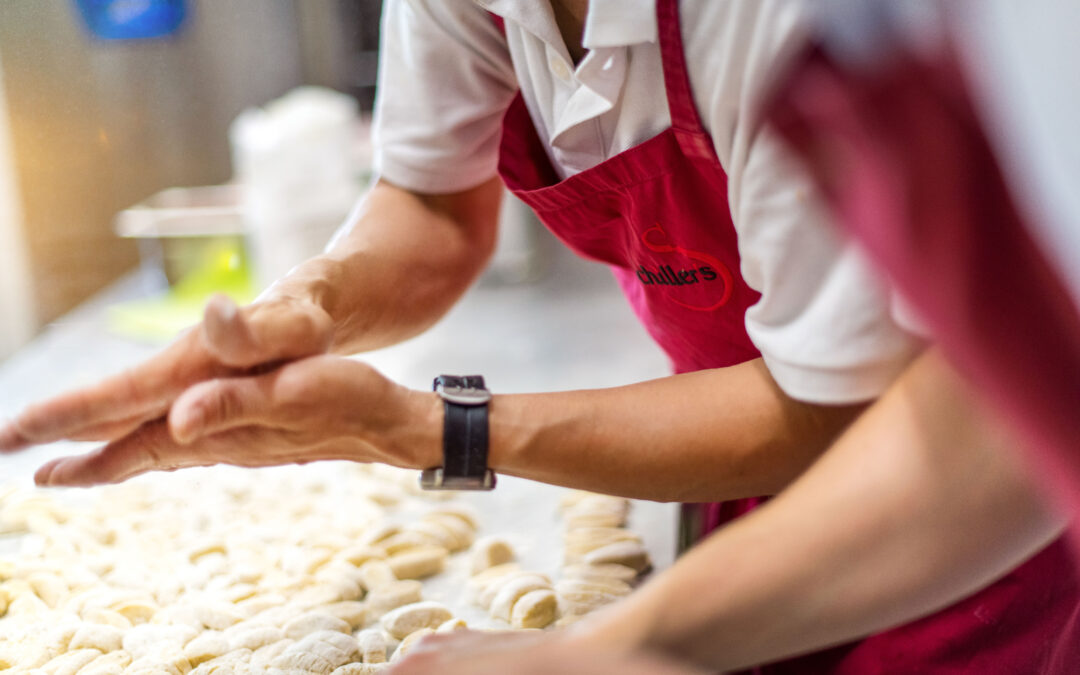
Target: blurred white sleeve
{"points": [[825, 324], [445, 79]]}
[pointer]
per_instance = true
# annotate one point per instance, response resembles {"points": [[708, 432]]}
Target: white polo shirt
{"points": [[447, 73]]}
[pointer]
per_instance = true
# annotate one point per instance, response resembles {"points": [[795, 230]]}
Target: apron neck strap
{"points": [[684, 113]]}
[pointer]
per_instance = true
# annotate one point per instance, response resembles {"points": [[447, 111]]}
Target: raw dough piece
{"points": [[218, 616], [409, 642], [305, 561], [205, 647], [405, 540], [535, 609], [278, 616], [361, 553], [146, 639], [568, 587], [460, 511], [489, 552], [138, 610], [223, 664], [460, 532], [478, 584], [336, 648], [629, 553], [253, 636], [502, 604], [595, 519], [97, 636], [70, 662], [107, 617], [50, 588], [608, 571], [27, 604], [238, 592], [206, 547], [392, 596], [258, 603], [300, 626], [326, 592], [169, 663], [418, 563], [375, 574], [451, 625], [583, 540], [262, 657], [487, 595], [319, 652], [352, 612], [408, 619], [434, 533], [379, 533], [581, 599], [372, 645], [107, 664]]}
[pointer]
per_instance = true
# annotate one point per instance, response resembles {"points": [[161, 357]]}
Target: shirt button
{"points": [[558, 67]]}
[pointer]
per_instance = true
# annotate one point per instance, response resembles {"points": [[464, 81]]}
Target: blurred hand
{"points": [[322, 407], [467, 652], [229, 342]]}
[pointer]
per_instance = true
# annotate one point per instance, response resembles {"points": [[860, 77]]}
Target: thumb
{"points": [[217, 405], [264, 333]]}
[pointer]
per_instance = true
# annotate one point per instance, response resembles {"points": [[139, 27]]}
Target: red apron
{"points": [[658, 215]]}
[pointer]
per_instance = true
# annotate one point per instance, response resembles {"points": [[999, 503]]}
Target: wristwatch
{"points": [[465, 436]]}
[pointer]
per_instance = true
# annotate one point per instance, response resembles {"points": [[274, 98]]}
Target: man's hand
{"points": [[469, 652], [323, 407], [229, 342]]}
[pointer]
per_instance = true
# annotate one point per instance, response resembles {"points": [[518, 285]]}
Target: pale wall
{"points": [[16, 313]]}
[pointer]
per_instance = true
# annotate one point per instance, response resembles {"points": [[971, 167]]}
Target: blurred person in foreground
{"points": [[912, 499]]}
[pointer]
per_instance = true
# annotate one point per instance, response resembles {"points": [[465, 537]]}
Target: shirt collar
{"points": [[535, 17], [619, 23], [609, 23]]}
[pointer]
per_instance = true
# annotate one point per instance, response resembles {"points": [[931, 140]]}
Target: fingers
{"points": [[129, 398], [152, 448], [108, 431], [146, 449], [11, 439], [229, 338], [261, 334], [218, 405]]}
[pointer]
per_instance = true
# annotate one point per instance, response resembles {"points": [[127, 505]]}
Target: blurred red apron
{"points": [[658, 215]]}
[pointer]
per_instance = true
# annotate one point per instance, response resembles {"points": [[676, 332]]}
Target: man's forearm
{"points": [[705, 436], [404, 262], [919, 504]]}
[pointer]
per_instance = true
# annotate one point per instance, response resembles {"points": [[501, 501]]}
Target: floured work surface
{"points": [[330, 567]]}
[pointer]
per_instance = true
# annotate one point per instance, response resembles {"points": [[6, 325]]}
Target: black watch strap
{"points": [[465, 436]]}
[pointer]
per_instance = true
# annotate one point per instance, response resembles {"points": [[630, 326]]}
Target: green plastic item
{"points": [[160, 319]]}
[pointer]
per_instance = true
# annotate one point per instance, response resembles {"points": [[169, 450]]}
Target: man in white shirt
{"points": [[740, 427]]}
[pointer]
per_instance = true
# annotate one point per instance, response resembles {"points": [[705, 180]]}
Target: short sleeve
{"points": [[445, 79], [825, 324]]}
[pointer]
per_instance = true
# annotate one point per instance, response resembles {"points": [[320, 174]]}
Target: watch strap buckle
{"points": [[436, 479]]}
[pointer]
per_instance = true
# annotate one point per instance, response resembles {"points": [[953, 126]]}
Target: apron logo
{"points": [[656, 240]]}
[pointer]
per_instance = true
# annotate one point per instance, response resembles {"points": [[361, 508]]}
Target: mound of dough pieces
{"points": [[602, 560], [271, 571]]}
